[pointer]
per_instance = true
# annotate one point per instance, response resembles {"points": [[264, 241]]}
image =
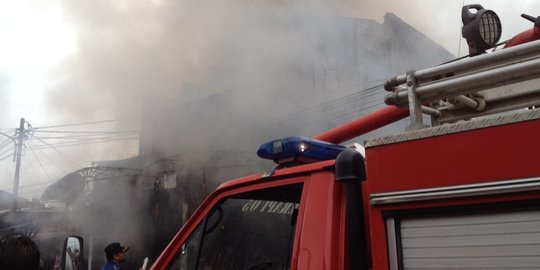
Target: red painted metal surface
{"points": [[362, 125], [323, 224], [482, 155], [490, 154], [320, 232]]}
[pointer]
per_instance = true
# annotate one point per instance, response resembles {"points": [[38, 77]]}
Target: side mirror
{"points": [[72, 257]]}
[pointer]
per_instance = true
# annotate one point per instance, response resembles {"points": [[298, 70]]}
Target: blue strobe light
{"points": [[299, 149]]}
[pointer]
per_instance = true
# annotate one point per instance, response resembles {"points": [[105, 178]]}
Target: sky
{"points": [[48, 52]]}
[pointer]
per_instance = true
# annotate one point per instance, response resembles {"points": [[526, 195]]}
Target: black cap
{"points": [[113, 249]]}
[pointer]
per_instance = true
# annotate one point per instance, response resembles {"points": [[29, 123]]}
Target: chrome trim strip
{"points": [[499, 187]]}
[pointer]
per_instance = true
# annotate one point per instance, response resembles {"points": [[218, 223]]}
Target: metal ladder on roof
{"points": [[501, 81]]}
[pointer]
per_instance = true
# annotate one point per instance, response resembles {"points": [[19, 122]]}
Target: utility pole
{"points": [[20, 139]]}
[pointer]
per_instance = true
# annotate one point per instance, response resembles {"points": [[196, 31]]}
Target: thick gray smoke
{"points": [[274, 58], [211, 80]]}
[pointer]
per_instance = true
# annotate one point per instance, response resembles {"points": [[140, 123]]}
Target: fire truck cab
{"points": [[460, 193]]}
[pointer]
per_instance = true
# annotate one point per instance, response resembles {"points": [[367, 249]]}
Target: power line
{"points": [[89, 123], [84, 136], [349, 96], [364, 97], [60, 170], [5, 157], [354, 110], [334, 102], [60, 153], [32, 185], [364, 108], [70, 144], [87, 132], [6, 142], [88, 138], [355, 96], [41, 165], [341, 101], [8, 150], [68, 139]]}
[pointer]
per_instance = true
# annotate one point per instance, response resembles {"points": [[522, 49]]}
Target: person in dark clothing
{"points": [[115, 254], [18, 251]]}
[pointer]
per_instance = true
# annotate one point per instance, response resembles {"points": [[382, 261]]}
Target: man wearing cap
{"points": [[115, 254]]}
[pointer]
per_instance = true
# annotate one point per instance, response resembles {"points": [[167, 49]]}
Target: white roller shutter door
{"points": [[509, 240]]}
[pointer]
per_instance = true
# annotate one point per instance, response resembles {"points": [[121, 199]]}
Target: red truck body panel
{"points": [[478, 156], [320, 230], [482, 155]]}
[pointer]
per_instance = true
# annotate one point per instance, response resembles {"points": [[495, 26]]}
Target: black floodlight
{"points": [[482, 29]]}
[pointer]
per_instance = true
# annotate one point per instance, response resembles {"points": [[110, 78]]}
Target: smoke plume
{"points": [[211, 80]]}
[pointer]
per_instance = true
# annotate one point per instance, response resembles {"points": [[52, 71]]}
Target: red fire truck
{"points": [[462, 192]]}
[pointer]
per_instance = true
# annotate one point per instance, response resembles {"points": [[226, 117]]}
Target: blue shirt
{"points": [[111, 265]]}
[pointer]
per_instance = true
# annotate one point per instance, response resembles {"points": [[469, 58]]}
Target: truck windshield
{"points": [[250, 231]]}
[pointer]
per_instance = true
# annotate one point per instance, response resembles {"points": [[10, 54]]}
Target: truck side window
{"points": [[248, 231]]}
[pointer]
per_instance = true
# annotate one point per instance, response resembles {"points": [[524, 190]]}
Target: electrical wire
{"points": [[57, 166], [347, 98], [87, 132], [5, 157], [356, 111], [31, 186], [70, 144], [5, 143], [65, 156], [8, 150], [362, 99], [90, 123], [64, 141], [89, 136], [329, 105], [84, 136], [7, 129], [40, 164], [332, 103]]}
